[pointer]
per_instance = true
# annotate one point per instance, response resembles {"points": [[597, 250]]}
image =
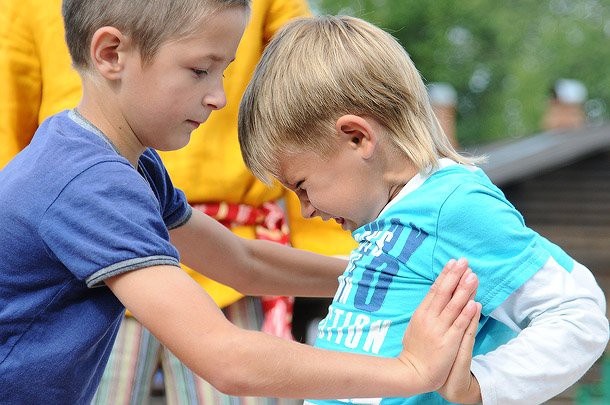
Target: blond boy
{"points": [[337, 111], [92, 224]]}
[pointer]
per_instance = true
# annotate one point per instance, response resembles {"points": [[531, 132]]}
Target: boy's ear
{"points": [[358, 133], [107, 52]]}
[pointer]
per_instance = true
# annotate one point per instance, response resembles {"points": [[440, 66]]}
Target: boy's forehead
{"points": [[281, 177], [216, 28], [217, 36], [284, 170], [291, 167]]}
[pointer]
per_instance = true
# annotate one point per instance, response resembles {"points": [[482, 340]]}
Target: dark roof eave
{"points": [[513, 160]]}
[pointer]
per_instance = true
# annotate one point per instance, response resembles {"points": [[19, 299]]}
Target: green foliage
{"points": [[502, 57]]}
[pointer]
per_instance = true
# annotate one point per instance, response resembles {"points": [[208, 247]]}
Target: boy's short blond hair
{"points": [[149, 23], [317, 69]]}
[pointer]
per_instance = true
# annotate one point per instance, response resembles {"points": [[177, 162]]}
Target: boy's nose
{"points": [[307, 210], [216, 99]]}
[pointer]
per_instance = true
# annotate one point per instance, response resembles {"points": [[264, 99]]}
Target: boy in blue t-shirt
{"points": [[337, 111], [91, 224]]}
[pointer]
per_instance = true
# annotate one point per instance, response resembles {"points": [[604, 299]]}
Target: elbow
{"points": [[243, 265], [234, 372], [250, 281], [247, 283], [229, 383], [594, 331], [233, 378], [600, 334]]}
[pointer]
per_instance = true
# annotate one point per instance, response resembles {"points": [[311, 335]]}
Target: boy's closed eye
{"points": [[200, 72]]}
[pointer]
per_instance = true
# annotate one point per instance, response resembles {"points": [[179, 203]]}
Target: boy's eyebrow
{"points": [[218, 58], [285, 183]]}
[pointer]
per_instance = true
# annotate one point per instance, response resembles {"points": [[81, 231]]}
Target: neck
{"points": [[396, 182], [109, 119], [399, 170]]}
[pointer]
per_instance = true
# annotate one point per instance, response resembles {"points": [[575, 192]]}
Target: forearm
{"points": [[262, 365], [565, 331], [279, 270], [254, 267], [179, 313], [251, 363]]}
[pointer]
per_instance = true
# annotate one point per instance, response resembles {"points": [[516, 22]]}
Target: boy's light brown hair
{"points": [[148, 23], [317, 69]]}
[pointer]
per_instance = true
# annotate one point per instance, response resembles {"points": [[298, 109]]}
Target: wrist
{"points": [[413, 381], [474, 391]]}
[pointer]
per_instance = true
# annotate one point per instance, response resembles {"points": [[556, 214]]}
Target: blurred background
{"points": [[502, 57]]}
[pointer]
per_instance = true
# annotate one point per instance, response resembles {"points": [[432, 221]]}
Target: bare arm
{"points": [[254, 267], [239, 362]]}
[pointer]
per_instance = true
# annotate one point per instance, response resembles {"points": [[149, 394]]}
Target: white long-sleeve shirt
{"points": [[562, 330]]}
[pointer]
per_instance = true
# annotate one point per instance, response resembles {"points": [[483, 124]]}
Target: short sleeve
{"points": [[478, 223], [174, 206], [105, 222]]}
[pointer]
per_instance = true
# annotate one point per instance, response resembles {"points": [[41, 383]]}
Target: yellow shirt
{"points": [[36, 81]]}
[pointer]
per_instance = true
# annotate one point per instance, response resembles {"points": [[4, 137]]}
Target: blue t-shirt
{"points": [[73, 212], [456, 212]]}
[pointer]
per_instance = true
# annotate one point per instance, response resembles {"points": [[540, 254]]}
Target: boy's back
{"points": [[69, 204]]}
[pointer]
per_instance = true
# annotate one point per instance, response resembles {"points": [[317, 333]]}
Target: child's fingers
{"points": [[429, 298], [474, 293], [467, 344], [459, 381], [463, 294], [445, 286], [466, 324]]}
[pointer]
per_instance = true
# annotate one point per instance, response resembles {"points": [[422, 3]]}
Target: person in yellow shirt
{"points": [[38, 81]]}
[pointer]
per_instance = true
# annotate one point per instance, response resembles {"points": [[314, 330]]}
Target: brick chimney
{"points": [[444, 102], [565, 108]]}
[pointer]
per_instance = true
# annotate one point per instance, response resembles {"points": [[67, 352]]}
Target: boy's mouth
{"points": [[194, 123], [344, 224]]}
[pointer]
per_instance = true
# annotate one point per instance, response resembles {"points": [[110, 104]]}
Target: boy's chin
{"points": [[346, 225], [177, 143]]}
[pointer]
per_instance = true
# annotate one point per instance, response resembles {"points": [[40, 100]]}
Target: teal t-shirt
{"points": [[455, 212]]}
